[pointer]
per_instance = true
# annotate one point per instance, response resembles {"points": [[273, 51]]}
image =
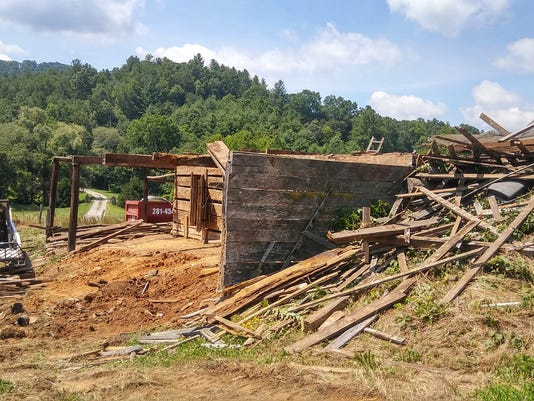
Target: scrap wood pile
{"points": [[461, 214], [14, 286], [89, 237]]}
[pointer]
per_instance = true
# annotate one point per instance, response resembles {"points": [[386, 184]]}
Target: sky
{"points": [[408, 59]]}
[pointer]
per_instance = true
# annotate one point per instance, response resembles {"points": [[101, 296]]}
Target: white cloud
{"points": [[505, 107], [4, 47], [4, 57], [178, 54], [405, 107], [328, 51], [493, 95], [520, 56], [83, 18], [448, 17]]}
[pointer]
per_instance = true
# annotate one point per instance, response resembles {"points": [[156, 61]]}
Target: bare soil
{"points": [[115, 292]]}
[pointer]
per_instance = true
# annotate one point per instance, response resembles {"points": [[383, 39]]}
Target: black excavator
{"points": [[13, 259]]}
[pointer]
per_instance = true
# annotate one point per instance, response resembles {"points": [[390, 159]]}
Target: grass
{"points": [[514, 381], [6, 386], [29, 214], [197, 350]]}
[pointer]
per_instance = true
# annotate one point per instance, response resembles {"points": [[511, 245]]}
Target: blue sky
{"points": [[444, 59]]}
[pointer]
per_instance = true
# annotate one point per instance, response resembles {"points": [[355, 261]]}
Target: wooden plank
{"points": [[308, 227], [107, 238], [128, 160], [479, 263], [313, 321], [184, 193], [255, 291], [236, 327], [469, 176], [457, 210], [184, 159], [373, 233], [341, 325], [219, 153], [384, 336], [495, 211], [517, 133], [185, 171], [428, 264], [349, 334], [497, 127]]}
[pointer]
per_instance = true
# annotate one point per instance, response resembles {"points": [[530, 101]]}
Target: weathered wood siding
{"points": [[182, 202], [270, 199]]}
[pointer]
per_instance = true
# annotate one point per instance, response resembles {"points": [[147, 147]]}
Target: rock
{"points": [[23, 321], [17, 308]]}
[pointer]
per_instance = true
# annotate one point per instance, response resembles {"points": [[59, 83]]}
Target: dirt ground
{"points": [[111, 294], [107, 295]]}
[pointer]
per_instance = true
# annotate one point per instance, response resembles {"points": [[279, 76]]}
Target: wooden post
{"points": [[145, 197], [73, 220], [52, 197], [366, 220]]}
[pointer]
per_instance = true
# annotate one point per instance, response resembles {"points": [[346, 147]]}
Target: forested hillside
{"points": [[156, 105]]}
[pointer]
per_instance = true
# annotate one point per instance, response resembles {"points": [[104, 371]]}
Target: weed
{"points": [[347, 219], [518, 368], [495, 338], [404, 321], [282, 314], [490, 321], [6, 386], [527, 297], [516, 381], [517, 342], [393, 268], [505, 392], [366, 359], [425, 306], [506, 266], [408, 355]]}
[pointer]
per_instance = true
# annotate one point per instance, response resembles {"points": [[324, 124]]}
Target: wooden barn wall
{"points": [[270, 199], [182, 202]]}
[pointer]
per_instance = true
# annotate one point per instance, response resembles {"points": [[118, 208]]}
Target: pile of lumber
{"points": [[15, 286], [446, 213], [89, 237]]}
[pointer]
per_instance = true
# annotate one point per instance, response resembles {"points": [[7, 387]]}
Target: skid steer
{"points": [[13, 259]]}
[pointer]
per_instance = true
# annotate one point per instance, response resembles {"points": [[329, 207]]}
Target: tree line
{"points": [[157, 105]]}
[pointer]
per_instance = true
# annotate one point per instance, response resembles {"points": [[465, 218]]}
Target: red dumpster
{"points": [[159, 210]]}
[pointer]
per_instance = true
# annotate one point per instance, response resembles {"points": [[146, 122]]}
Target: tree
{"points": [[153, 133]]}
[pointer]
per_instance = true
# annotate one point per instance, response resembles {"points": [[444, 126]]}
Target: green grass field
{"points": [[30, 214]]}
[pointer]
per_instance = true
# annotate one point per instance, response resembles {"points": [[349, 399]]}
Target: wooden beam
{"points": [[73, 219], [468, 176], [220, 154], [349, 334], [483, 259], [517, 133], [313, 321], [372, 233], [87, 160], [184, 160], [497, 127], [52, 199], [456, 210]]}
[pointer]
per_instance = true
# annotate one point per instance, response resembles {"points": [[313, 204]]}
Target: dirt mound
{"points": [[144, 284]]}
